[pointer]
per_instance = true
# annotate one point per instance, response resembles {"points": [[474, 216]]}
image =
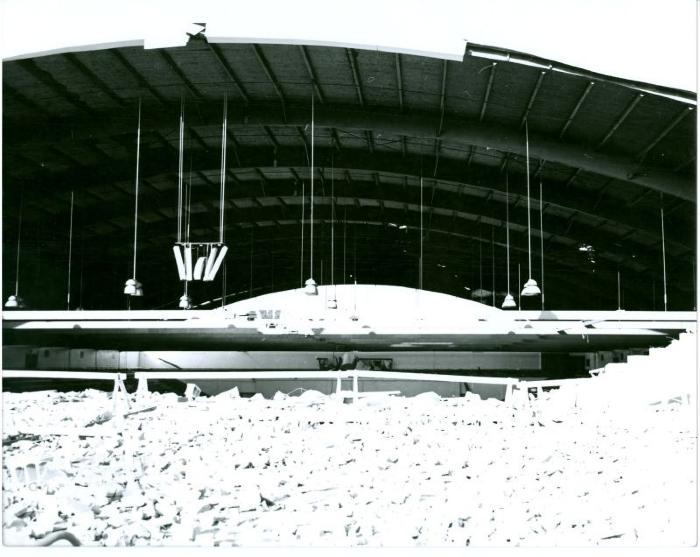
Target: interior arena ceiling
{"points": [[609, 154]]}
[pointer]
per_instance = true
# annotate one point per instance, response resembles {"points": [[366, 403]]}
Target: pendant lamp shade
{"points": [[310, 288], [130, 287], [531, 288], [332, 304], [185, 302], [12, 302], [508, 302]]}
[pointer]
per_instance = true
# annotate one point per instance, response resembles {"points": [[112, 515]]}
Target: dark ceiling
{"points": [[608, 153]]}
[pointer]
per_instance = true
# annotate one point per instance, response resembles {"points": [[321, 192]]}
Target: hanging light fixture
{"points": [[132, 287], [15, 301], [185, 302], [310, 287], [530, 287], [332, 303], [509, 301]]}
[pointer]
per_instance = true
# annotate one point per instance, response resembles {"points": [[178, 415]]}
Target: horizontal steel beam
{"points": [[423, 126]]}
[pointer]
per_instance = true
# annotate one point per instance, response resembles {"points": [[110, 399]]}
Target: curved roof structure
{"points": [[404, 146]]}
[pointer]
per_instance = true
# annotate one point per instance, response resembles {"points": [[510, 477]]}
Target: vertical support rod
{"points": [[311, 211], [136, 188], [303, 214], [70, 250], [619, 306], [663, 251], [180, 169], [541, 247], [493, 272], [19, 243], [223, 172], [508, 234], [420, 256], [527, 171]]}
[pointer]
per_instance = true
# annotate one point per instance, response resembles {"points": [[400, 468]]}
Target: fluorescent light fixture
{"points": [[217, 264], [211, 259], [179, 262]]}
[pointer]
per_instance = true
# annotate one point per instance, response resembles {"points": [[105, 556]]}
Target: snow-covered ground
{"points": [[386, 471]]}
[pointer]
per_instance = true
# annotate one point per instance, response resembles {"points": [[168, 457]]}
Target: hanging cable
{"points": [[619, 306], [252, 236], [136, 189], [420, 256], [527, 164], [493, 272], [179, 169], [301, 261], [70, 250], [345, 234], [223, 172], [508, 301], [663, 251], [332, 223], [223, 286], [507, 233], [19, 242], [311, 210], [541, 246], [530, 288]]}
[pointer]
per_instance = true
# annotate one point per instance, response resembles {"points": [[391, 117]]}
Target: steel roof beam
{"points": [[139, 78], [577, 107], [271, 76], [311, 72], [176, 69], [216, 51], [463, 132], [621, 119], [271, 136], [487, 93], [443, 88], [388, 163], [399, 80], [22, 99], [52, 83], [87, 72], [677, 120], [355, 75], [370, 141], [533, 96], [489, 213], [336, 139]]}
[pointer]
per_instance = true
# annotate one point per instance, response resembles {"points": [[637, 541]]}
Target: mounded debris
{"points": [[312, 471]]}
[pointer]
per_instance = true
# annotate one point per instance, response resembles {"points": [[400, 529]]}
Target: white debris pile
{"points": [[310, 470]]}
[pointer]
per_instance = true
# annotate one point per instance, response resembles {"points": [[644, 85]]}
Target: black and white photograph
{"points": [[356, 275]]}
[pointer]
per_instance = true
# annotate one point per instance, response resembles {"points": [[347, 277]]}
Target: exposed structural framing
{"points": [[384, 120]]}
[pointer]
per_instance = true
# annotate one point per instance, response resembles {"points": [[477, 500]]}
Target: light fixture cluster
{"points": [[132, 287], [14, 302]]}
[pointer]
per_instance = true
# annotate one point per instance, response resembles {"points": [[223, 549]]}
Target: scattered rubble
{"points": [[311, 471]]}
